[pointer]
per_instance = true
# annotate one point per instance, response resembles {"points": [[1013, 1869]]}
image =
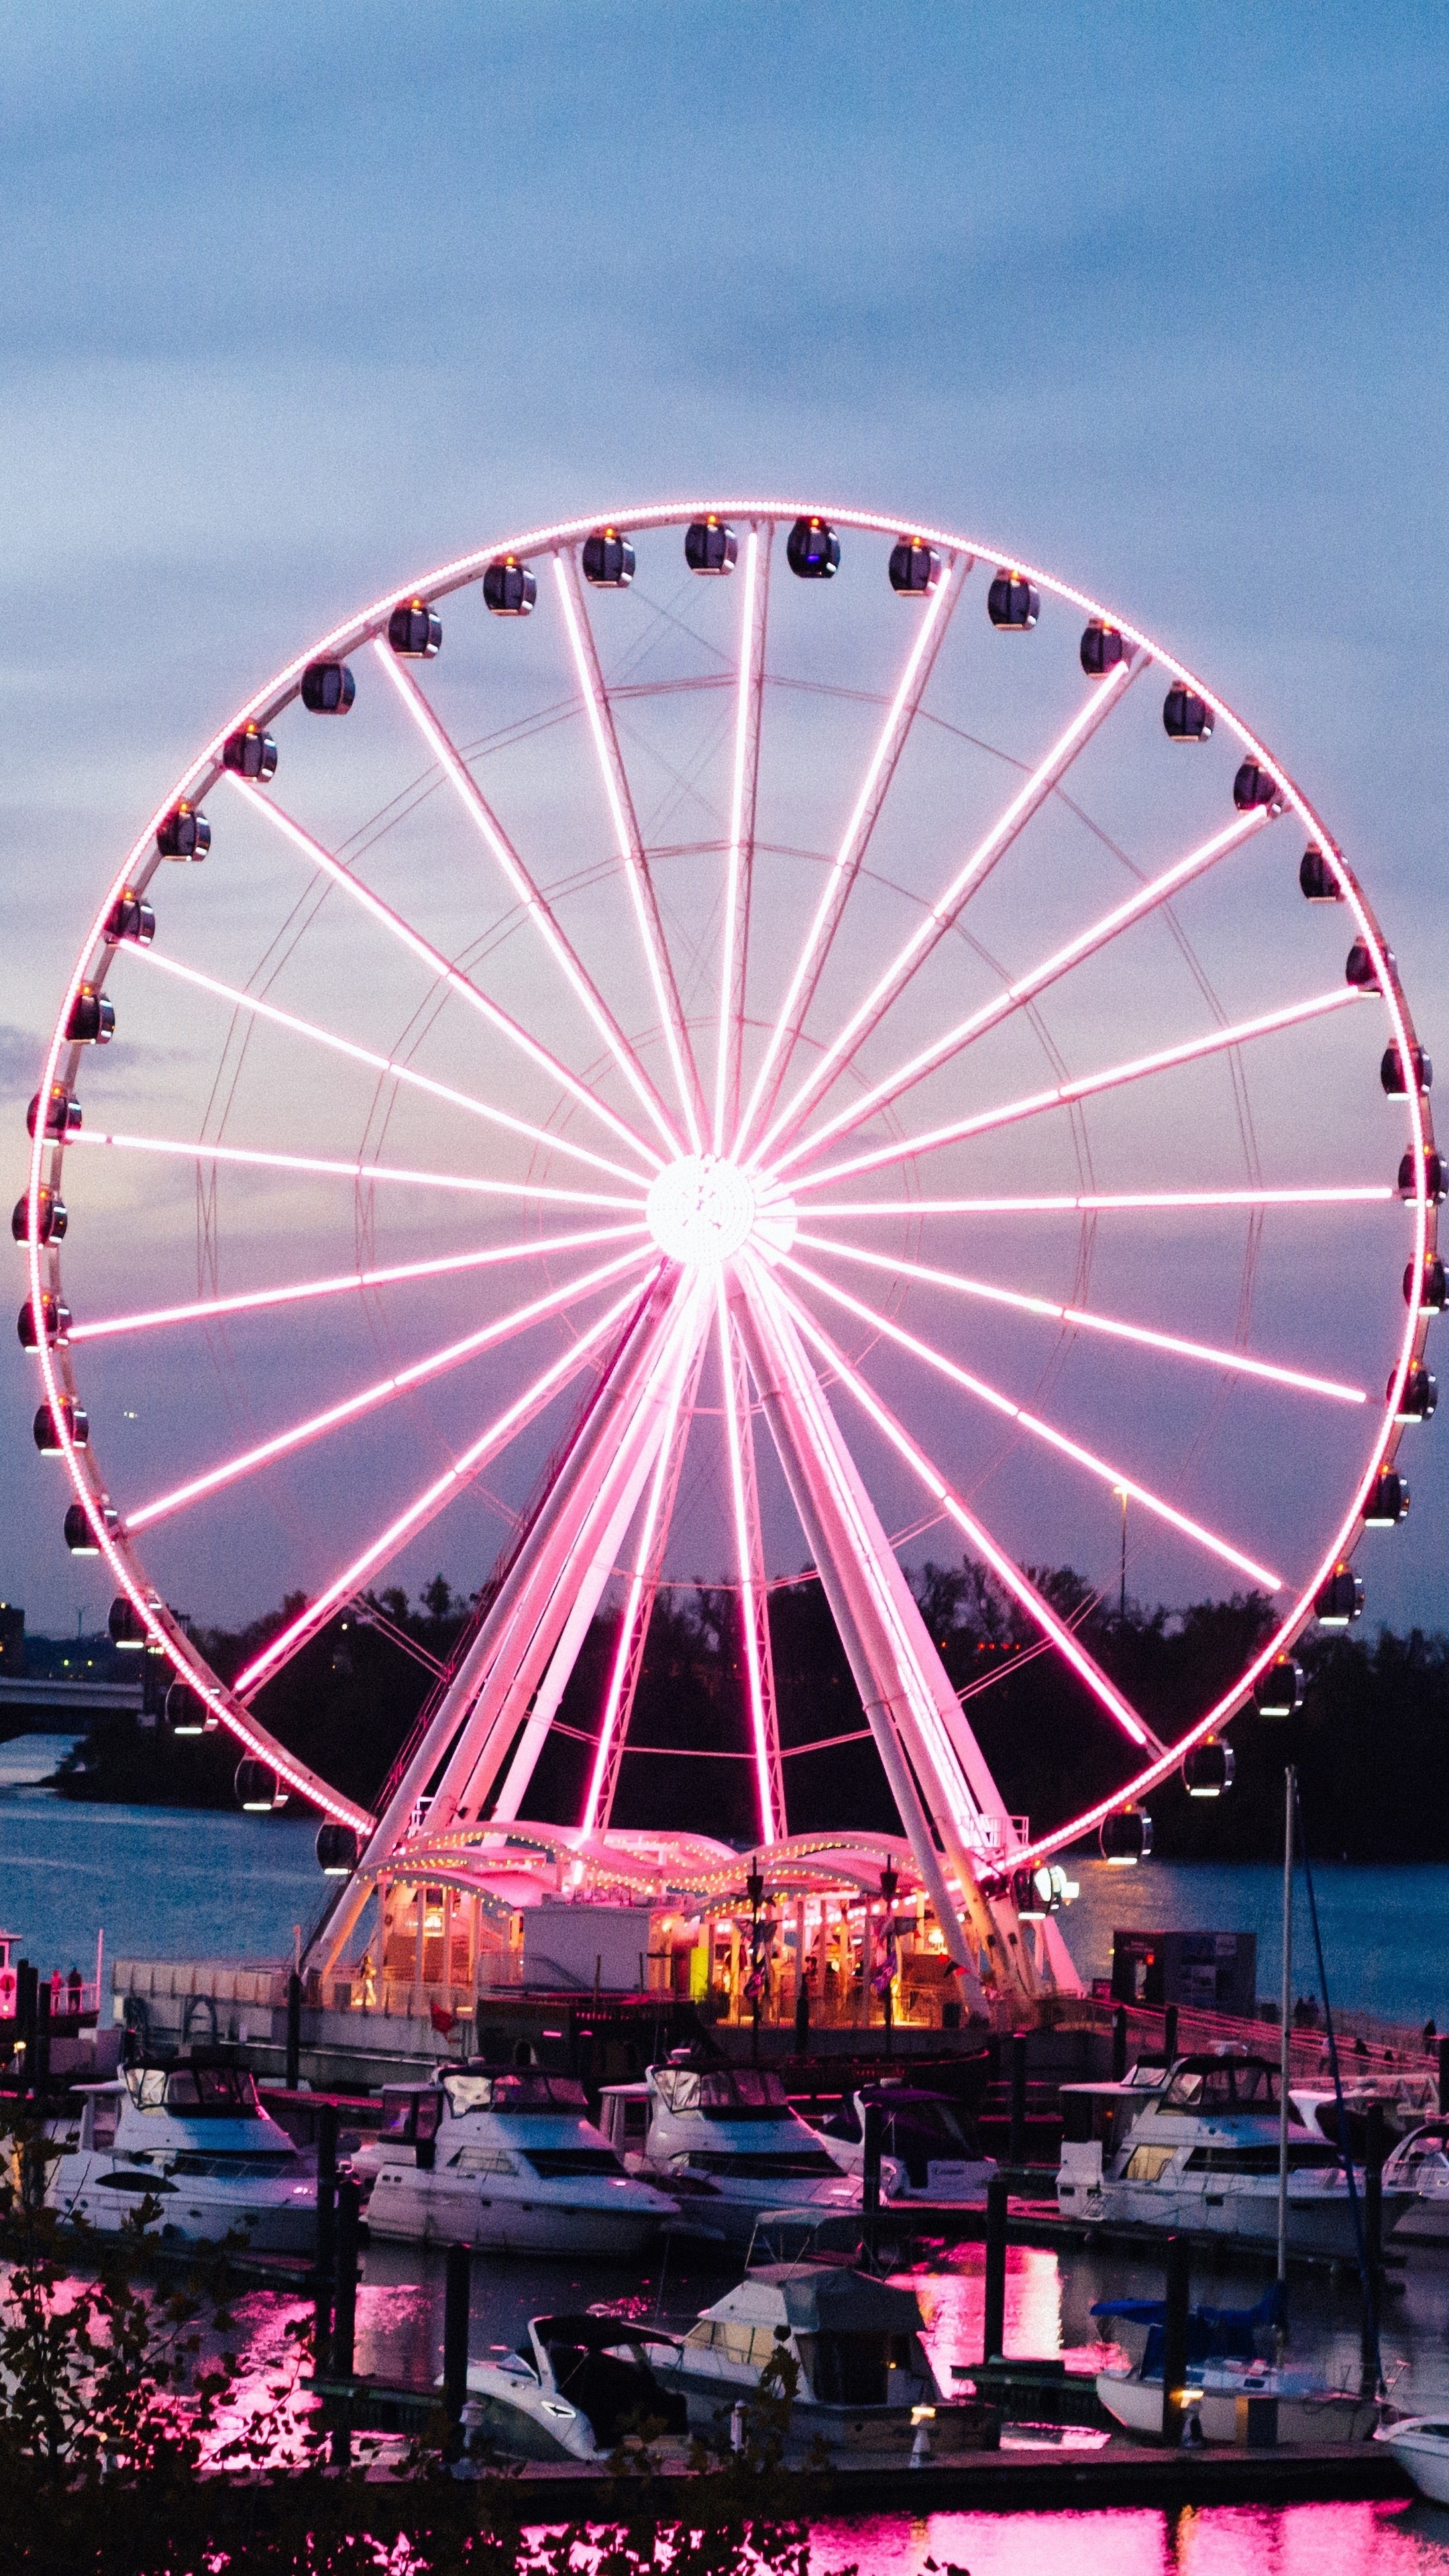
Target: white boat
{"points": [[1305, 2409], [1420, 2444], [1195, 2147], [409, 2112], [576, 2387], [514, 2167], [192, 2135], [725, 2141], [926, 2150], [865, 2389]]}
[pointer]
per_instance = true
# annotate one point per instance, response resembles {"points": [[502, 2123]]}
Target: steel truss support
{"points": [[561, 1518], [903, 1686], [639, 1608], [754, 1598]]}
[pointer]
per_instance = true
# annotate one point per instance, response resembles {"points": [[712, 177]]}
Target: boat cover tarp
{"points": [[822, 2298]]}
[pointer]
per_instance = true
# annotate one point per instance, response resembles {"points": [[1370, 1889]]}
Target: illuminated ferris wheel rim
{"points": [[555, 541]]}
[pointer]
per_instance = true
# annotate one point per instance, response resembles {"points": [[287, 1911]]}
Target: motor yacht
{"points": [[513, 2166], [575, 2389], [927, 2151], [1195, 2146], [190, 2134], [410, 2112], [1420, 2444], [725, 2141], [865, 2389]]}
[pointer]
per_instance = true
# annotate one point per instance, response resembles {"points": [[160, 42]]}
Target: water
{"points": [[193, 1883], [167, 1882]]}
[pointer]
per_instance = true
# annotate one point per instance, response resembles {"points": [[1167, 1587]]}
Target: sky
{"points": [[295, 304]]}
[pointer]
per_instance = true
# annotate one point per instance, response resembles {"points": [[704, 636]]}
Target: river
{"points": [[182, 1882], [196, 1883]]}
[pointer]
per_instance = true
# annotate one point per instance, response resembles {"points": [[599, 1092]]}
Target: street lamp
{"points": [[889, 1884], [755, 1891]]}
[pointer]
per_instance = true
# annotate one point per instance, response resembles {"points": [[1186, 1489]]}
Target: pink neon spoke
{"points": [[1211, 1354], [1166, 1058], [737, 807], [986, 1394], [848, 857], [205, 1153], [990, 1014], [660, 1478], [430, 1502], [381, 1391], [1350, 1195], [438, 965], [1001, 1564], [943, 912], [205, 1309], [631, 852], [521, 885], [387, 1065], [744, 1556]]}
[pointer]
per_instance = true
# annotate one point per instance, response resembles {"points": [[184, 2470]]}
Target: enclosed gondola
{"points": [[1186, 717], [249, 753], [509, 588], [1432, 1282], [915, 568], [328, 688], [1433, 1170], [1208, 1768], [414, 631], [1279, 1691], [1013, 604], [1339, 1600], [710, 546], [62, 1112], [54, 1323], [1126, 1837], [1391, 1071], [185, 832], [126, 1627], [52, 1217], [1255, 786], [92, 1020], [812, 550], [1316, 878], [46, 1429], [258, 1789], [130, 919], [337, 1850], [608, 560], [186, 1712], [1103, 647], [1418, 1397], [1360, 970], [80, 1537], [1388, 1500]]}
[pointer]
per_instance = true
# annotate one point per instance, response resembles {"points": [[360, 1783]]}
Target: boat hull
{"points": [[188, 2214], [1422, 2451], [1323, 2224], [847, 2432], [406, 2209]]}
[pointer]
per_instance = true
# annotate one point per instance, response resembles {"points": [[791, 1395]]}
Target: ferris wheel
{"points": [[784, 1039]]}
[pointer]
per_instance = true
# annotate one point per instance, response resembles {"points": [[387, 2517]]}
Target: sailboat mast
{"points": [[1285, 2023]]}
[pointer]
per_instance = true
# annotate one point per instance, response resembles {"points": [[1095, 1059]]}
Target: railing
{"points": [[1366, 2045]]}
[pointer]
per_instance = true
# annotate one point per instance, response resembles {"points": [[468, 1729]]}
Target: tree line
{"points": [[1369, 1740]]}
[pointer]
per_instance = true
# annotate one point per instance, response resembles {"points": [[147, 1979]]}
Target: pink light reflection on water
{"points": [[1386, 2539]]}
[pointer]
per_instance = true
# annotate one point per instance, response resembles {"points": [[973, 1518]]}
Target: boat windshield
{"points": [[721, 2093], [195, 2092], [529, 2091], [1216, 2084]]}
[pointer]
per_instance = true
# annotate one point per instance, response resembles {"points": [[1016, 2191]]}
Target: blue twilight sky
{"points": [[294, 301]]}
